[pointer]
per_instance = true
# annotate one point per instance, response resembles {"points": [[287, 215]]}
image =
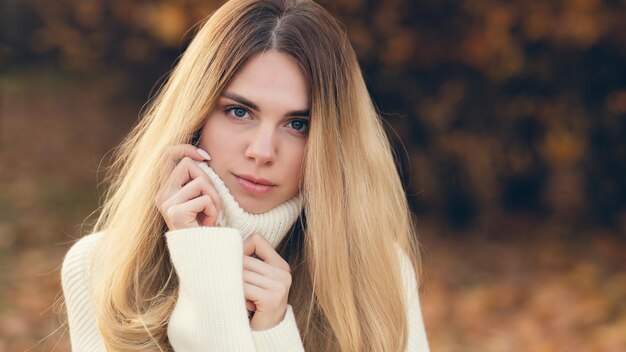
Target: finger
{"points": [[257, 244], [256, 265], [197, 187], [204, 205], [188, 211], [261, 281], [185, 171], [262, 298], [180, 151], [177, 152], [253, 293], [260, 267]]}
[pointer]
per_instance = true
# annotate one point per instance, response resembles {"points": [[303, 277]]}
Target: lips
{"points": [[254, 187], [257, 180]]}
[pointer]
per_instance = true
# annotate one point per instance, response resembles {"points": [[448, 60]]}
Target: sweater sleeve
{"points": [[84, 335], [210, 313], [417, 332]]}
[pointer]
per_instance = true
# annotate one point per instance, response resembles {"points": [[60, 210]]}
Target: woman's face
{"points": [[259, 130]]}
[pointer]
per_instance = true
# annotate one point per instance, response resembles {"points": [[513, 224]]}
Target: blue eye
{"points": [[238, 112], [300, 125]]}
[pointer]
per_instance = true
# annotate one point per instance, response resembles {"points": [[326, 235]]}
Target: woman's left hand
{"points": [[266, 282]]}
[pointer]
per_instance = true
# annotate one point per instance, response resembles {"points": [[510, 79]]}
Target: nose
{"points": [[262, 146]]}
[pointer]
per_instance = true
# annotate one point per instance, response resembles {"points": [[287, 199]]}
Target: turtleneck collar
{"points": [[273, 224]]}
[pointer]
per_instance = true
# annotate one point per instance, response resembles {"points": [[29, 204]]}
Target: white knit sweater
{"points": [[210, 313]]}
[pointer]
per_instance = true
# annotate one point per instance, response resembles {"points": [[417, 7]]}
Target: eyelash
{"points": [[228, 110]]}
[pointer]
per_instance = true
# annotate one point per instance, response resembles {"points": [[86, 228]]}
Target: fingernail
{"points": [[204, 154], [219, 218]]}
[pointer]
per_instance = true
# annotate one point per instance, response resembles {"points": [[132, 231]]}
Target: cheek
{"points": [[296, 162], [216, 135]]}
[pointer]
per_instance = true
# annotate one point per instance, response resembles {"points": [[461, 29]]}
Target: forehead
{"points": [[271, 79]]}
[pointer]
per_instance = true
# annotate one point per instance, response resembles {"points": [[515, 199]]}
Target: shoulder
{"points": [[74, 273], [406, 269]]}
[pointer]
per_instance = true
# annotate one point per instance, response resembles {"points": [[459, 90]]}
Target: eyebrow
{"points": [[251, 105]]}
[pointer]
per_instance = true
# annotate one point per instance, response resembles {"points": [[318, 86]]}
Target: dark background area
{"points": [[508, 120]]}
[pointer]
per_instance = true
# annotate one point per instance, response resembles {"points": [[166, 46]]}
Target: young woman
{"points": [[287, 230]]}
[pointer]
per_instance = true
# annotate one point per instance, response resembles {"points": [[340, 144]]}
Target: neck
{"points": [[272, 224]]}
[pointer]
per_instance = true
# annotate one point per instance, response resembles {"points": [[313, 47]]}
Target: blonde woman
{"points": [[286, 230]]}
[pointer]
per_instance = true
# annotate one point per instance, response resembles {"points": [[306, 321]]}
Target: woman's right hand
{"points": [[188, 198]]}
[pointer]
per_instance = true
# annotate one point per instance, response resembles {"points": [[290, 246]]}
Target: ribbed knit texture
{"points": [[75, 276], [210, 313], [186, 327], [273, 224]]}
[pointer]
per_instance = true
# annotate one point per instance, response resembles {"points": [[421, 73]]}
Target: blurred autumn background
{"points": [[508, 120]]}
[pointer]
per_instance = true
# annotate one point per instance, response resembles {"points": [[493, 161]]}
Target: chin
{"points": [[253, 208]]}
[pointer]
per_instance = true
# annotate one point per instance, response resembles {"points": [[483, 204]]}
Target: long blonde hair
{"points": [[346, 293]]}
